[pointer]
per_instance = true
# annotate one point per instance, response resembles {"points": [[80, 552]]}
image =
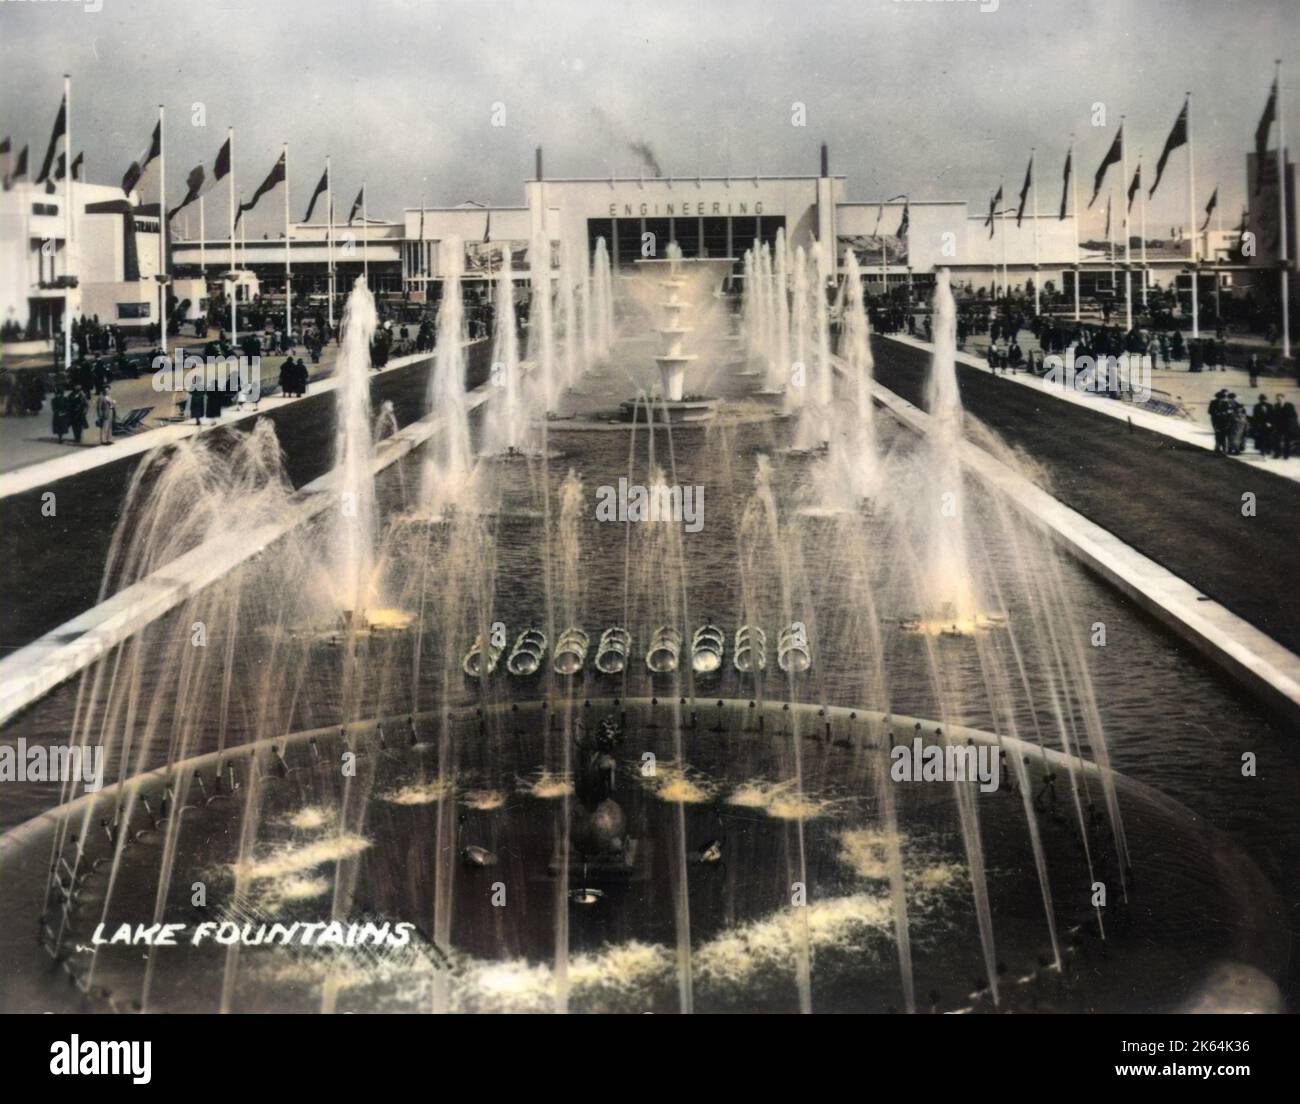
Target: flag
{"points": [[1107, 235], [193, 185], [221, 167], [60, 129], [1024, 190], [20, 169], [487, 226], [1261, 135], [356, 204], [1177, 137], [907, 221], [1135, 186], [274, 177], [1065, 189], [5, 146], [1113, 155], [136, 171], [993, 206], [62, 170], [320, 190], [1209, 207]]}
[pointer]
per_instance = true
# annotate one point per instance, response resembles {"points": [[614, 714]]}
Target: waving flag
{"points": [[1135, 186], [193, 185], [993, 206], [1177, 137], [1065, 189], [60, 129], [1024, 191], [1209, 207], [356, 204], [274, 177], [136, 171], [1261, 135], [320, 191], [1112, 157]]}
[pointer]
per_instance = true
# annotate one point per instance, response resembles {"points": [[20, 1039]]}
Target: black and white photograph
{"points": [[584, 507]]}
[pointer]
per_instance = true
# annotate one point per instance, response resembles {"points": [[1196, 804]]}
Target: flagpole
{"points": [[162, 230], [1110, 232], [1281, 204], [1142, 227], [329, 236], [1218, 226], [203, 266], [1191, 222], [68, 221], [365, 236], [1074, 203], [1002, 225], [288, 265], [234, 283], [1033, 168], [1128, 237]]}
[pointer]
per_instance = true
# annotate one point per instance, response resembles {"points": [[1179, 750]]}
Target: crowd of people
{"points": [[1272, 425]]}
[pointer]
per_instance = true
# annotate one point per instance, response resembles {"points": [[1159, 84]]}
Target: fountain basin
{"points": [[1200, 920]]}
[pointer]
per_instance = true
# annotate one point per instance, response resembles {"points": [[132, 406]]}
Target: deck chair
{"points": [[132, 423]]}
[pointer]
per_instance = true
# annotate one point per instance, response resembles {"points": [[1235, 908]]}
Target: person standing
{"points": [[1261, 418], [104, 410], [1286, 430], [76, 408], [1219, 420], [59, 409], [1237, 423]]}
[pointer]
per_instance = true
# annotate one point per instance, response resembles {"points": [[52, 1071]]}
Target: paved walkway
{"points": [[51, 568], [1193, 390], [30, 439], [1173, 501]]}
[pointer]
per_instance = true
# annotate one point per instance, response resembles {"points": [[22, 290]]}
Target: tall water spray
{"points": [[447, 459], [602, 294], [568, 328], [823, 383], [780, 282], [354, 541], [851, 473], [507, 418], [948, 588], [541, 324]]}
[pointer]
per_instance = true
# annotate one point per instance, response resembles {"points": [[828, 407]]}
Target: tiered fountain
{"points": [[682, 291]]}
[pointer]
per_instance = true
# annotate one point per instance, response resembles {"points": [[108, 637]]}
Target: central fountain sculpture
{"points": [[681, 289], [673, 360]]}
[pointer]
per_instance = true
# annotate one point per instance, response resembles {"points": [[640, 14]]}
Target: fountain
{"points": [[682, 287], [741, 847]]}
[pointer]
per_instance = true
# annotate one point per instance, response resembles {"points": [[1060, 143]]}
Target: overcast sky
{"points": [[939, 100]]}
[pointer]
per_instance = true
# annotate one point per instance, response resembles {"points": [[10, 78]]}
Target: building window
{"points": [[627, 235], [686, 233], [45, 208], [127, 312], [715, 238], [599, 228]]}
